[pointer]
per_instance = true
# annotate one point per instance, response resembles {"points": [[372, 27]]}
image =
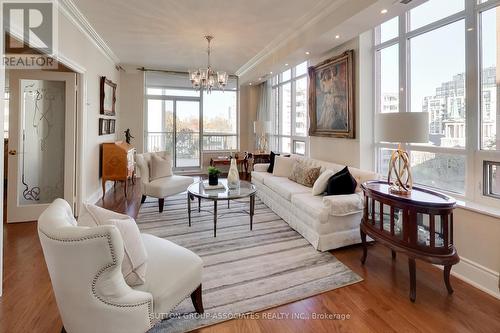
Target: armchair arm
{"points": [[346, 204], [260, 167], [143, 168]]}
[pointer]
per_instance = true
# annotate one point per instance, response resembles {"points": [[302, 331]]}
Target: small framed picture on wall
{"points": [[103, 126], [112, 123]]}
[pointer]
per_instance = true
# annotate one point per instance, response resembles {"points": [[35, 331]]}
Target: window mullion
{"points": [[472, 101], [403, 59]]}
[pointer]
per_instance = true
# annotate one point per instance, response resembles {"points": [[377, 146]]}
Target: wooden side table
{"points": [[419, 225]]}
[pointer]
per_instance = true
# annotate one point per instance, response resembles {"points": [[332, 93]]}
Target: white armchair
{"points": [[162, 187], [85, 269]]}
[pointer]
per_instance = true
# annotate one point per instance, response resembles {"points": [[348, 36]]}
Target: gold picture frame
{"points": [[331, 97]]}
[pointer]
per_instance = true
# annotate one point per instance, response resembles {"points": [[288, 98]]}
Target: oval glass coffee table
{"points": [[197, 190]]}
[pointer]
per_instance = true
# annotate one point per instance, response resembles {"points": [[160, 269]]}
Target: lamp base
{"points": [[401, 182]]}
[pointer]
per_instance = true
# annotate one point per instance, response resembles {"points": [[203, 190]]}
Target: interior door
{"points": [[187, 134], [41, 142]]}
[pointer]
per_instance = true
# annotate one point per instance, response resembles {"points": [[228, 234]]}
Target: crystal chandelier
{"points": [[207, 78]]}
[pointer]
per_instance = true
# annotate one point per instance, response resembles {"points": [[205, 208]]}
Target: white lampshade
{"points": [[410, 127], [261, 127]]}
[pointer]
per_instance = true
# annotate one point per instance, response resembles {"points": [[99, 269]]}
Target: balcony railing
{"points": [[188, 142]]}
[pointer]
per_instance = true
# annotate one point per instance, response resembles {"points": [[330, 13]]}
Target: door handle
{"points": [[13, 152]]}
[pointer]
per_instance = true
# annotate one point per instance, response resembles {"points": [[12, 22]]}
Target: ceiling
{"points": [[169, 33]]}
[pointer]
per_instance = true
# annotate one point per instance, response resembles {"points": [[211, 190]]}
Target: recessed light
{"points": [[383, 11], [286, 64], [308, 53], [270, 72], [260, 78], [250, 84], [337, 36]]}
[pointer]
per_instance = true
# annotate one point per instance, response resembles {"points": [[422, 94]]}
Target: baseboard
{"points": [[98, 194], [478, 276]]}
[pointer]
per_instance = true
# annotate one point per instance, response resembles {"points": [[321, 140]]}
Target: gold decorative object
{"points": [[402, 181]]}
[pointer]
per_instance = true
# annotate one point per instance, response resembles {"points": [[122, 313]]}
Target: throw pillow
{"points": [[283, 166], [321, 183], [304, 174], [160, 167], [272, 157], [341, 183], [135, 257]]}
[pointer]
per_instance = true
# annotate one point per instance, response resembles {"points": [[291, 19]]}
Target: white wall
{"points": [[352, 152], [76, 47], [132, 106]]}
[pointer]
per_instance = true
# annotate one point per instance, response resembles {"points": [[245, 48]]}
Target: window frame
{"points": [[474, 182], [277, 101], [199, 98]]}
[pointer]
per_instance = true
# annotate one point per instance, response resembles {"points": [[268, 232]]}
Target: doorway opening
{"points": [[39, 141]]}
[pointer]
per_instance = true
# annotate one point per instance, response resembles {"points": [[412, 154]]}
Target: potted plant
{"points": [[213, 175]]}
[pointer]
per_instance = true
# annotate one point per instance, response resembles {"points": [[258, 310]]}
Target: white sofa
{"points": [[84, 264], [327, 222]]}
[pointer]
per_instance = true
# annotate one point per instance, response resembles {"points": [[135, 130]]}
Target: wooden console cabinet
{"points": [[420, 225], [117, 164]]}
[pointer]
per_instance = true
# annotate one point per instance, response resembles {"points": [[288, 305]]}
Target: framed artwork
{"points": [[108, 97], [331, 97], [103, 126], [112, 123]]}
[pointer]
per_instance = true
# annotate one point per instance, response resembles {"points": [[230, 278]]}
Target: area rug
{"points": [[244, 271]]}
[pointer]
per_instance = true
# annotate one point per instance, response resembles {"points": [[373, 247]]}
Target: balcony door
{"points": [[173, 125]]}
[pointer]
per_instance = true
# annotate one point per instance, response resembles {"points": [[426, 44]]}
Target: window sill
{"points": [[479, 208]]}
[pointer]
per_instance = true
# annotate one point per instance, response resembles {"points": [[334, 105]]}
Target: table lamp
{"points": [[408, 127], [261, 128]]}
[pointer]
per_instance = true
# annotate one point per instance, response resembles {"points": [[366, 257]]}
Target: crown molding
{"points": [[71, 11], [305, 22]]}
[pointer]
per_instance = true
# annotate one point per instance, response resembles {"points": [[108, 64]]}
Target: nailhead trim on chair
{"points": [[94, 282]]}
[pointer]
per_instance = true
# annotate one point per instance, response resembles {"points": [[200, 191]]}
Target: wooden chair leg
{"points": [[143, 198], [197, 300], [161, 202]]}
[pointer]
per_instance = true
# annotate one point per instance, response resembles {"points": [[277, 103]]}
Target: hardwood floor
{"points": [[378, 304]]}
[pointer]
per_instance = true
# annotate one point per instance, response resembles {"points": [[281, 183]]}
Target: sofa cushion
{"points": [[362, 176], [312, 205], [284, 187], [260, 175], [341, 183], [342, 205], [283, 166], [173, 272], [304, 174], [160, 166], [272, 158], [321, 183]]}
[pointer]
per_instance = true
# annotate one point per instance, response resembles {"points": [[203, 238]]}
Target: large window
{"points": [[425, 60], [289, 120], [185, 121]]}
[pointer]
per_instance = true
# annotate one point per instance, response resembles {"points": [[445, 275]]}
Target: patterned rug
{"points": [[244, 271]]}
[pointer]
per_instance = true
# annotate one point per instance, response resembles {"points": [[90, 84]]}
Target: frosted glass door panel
{"points": [[42, 142]]}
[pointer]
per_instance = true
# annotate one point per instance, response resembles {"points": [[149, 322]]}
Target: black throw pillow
{"points": [[271, 161], [341, 183]]}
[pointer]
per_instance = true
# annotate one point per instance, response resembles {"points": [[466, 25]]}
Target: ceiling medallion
{"points": [[207, 78]]}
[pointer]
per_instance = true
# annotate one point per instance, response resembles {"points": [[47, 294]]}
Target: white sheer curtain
{"points": [[266, 112]]}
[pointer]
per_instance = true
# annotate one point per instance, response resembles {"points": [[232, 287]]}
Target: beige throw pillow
{"points": [[283, 166], [321, 183], [304, 174], [135, 258], [160, 166]]}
